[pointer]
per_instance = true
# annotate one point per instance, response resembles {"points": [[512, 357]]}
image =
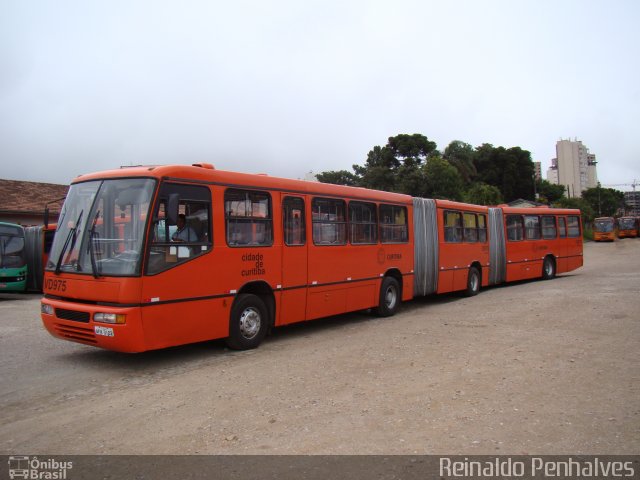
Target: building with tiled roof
{"points": [[24, 202]]}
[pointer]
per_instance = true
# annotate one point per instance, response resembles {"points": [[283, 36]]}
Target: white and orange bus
{"points": [[627, 227], [150, 257], [604, 229]]}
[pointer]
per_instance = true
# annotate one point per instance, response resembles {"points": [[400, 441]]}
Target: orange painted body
{"points": [[525, 255], [627, 227], [310, 250]]}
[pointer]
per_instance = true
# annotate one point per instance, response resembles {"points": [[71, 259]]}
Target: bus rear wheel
{"points": [[389, 299], [473, 282], [248, 323], [548, 268]]}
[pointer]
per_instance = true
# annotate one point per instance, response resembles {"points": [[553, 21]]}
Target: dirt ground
{"points": [[542, 367]]}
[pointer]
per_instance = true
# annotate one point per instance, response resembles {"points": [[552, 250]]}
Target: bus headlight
{"points": [[46, 309], [109, 318]]}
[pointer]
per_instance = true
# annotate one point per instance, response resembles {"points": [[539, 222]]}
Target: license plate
{"points": [[104, 331]]}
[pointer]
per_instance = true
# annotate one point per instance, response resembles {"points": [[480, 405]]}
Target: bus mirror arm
{"points": [[173, 202]]}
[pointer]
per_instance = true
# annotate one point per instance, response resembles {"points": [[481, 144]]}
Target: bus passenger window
{"points": [[393, 224], [515, 227], [452, 226], [470, 228], [573, 226], [248, 218], [293, 221], [548, 227], [482, 228], [562, 227], [329, 222], [532, 227], [363, 225]]}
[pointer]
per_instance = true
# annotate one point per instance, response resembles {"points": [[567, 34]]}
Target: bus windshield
{"points": [[627, 223], [11, 246], [101, 228], [605, 225]]}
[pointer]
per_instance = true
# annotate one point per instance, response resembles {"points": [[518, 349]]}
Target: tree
{"points": [[442, 180], [549, 192], [461, 155], [605, 202], [396, 167], [511, 170], [338, 177], [483, 194]]}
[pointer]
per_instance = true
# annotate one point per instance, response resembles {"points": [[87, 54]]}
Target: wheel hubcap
{"points": [[250, 323], [390, 298], [474, 282]]}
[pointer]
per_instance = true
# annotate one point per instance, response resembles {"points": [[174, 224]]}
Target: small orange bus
{"points": [[150, 257], [604, 229], [627, 227]]}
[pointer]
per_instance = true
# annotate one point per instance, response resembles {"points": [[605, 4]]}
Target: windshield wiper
{"points": [[72, 233], [90, 248]]}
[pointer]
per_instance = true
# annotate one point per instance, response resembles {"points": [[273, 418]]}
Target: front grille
{"points": [[73, 315], [79, 334]]}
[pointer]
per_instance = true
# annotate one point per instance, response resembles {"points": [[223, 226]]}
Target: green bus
{"points": [[13, 260]]}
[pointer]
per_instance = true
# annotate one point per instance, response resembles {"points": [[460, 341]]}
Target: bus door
{"points": [[294, 260]]}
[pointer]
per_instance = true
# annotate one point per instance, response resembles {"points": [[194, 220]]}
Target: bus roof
{"points": [[205, 173]]}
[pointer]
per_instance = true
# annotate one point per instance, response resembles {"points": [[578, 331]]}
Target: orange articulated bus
{"points": [[627, 227], [604, 229], [151, 257]]}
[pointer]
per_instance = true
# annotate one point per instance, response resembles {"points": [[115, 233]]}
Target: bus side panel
{"points": [[326, 279], [575, 258], [522, 260]]}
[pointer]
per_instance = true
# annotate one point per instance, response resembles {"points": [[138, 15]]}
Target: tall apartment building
{"points": [[632, 200], [574, 167]]}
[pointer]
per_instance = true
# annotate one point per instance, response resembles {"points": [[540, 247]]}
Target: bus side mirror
{"points": [[173, 204], [46, 216]]}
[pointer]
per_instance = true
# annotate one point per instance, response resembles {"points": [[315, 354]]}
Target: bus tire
{"points": [[248, 323], [474, 280], [389, 299], [548, 268]]}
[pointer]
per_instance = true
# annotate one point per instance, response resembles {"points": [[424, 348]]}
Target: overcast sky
{"points": [[287, 86]]}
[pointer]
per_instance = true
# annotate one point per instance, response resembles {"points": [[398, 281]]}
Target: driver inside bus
{"points": [[184, 232]]}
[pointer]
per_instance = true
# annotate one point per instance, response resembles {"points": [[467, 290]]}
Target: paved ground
{"points": [[539, 367]]}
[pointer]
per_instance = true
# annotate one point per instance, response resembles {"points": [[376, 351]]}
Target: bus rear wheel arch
{"points": [[548, 268], [248, 322], [389, 298]]}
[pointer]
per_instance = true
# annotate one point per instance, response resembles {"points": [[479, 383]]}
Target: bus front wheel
{"points": [[248, 323], [389, 300]]}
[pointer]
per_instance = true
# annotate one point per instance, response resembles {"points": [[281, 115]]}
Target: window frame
{"points": [[317, 224], [371, 207], [395, 212], [570, 227], [189, 195], [509, 228], [285, 219], [562, 229], [458, 229], [544, 228], [466, 229], [251, 220], [536, 228]]}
